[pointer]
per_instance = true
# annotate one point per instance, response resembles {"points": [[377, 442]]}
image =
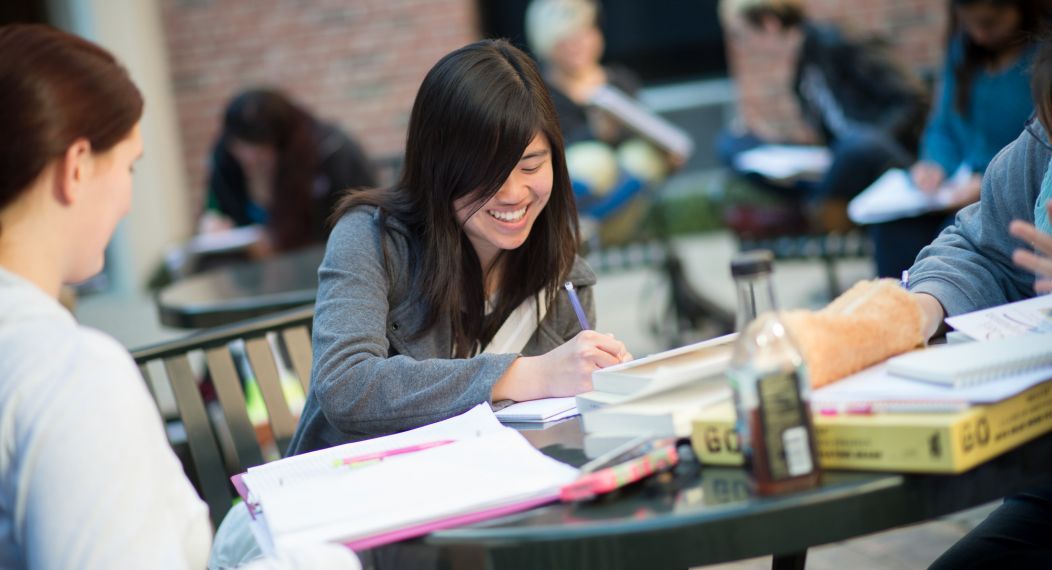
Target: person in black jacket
{"points": [[276, 165], [866, 108]]}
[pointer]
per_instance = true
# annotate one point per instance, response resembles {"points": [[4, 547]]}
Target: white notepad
{"points": [[973, 363]]}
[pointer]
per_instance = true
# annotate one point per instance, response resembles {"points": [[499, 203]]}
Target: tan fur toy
{"points": [[872, 321]]}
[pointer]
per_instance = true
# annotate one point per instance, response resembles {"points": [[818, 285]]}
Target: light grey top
{"points": [[370, 376], [87, 478], [969, 266]]}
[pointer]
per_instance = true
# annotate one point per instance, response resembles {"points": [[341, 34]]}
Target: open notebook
{"points": [[974, 363], [318, 498]]}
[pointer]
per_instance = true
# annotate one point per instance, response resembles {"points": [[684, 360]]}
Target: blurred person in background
{"points": [[277, 166], [865, 107], [608, 163], [983, 100]]}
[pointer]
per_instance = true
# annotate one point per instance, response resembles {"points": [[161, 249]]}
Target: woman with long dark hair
{"points": [[276, 165], [443, 291], [984, 99]]}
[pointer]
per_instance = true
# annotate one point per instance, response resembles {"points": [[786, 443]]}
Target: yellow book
{"points": [[903, 442]]}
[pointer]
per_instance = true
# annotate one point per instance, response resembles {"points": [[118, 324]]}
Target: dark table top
{"points": [[692, 518], [242, 290]]}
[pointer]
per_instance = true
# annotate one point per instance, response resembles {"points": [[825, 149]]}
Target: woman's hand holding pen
{"points": [[563, 371], [1040, 260]]}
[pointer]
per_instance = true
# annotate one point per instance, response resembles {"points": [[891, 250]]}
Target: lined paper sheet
{"points": [[1009, 320], [428, 486], [262, 479]]}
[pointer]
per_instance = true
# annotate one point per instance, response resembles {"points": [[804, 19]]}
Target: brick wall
{"points": [[914, 28], [357, 63]]}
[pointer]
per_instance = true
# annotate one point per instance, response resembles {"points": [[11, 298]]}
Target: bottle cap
{"points": [[755, 262]]}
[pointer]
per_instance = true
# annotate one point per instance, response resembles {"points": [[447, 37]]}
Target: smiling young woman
{"points": [[441, 292]]}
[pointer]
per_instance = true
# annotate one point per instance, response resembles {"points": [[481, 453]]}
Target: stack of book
{"points": [[658, 395], [925, 412]]}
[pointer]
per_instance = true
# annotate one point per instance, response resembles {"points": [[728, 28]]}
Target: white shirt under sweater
{"points": [[87, 477]]}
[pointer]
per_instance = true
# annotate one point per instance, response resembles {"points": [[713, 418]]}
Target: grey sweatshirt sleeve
{"points": [[969, 266], [362, 388]]}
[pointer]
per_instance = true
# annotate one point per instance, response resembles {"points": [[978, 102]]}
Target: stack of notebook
{"points": [[658, 395]]}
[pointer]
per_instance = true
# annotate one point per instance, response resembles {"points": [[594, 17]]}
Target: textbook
{"points": [[951, 442], [664, 414], [974, 363], [390, 493], [667, 369]]}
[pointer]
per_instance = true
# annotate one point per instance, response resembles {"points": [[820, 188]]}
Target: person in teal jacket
{"points": [[983, 101]]}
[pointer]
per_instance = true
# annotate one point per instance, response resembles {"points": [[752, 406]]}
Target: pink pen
{"points": [[381, 455]]}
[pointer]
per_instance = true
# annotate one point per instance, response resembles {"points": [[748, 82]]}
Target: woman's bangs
{"points": [[508, 129]]}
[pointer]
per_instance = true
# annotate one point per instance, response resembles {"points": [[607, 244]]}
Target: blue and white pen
{"points": [[905, 279], [581, 318]]}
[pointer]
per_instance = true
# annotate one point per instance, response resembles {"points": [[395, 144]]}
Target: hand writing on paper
{"points": [[563, 371], [927, 176], [1038, 261]]}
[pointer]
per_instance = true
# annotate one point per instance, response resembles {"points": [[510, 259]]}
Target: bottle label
{"points": [[784, 424]]}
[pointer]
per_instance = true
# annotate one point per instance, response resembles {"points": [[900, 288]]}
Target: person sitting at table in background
{"points": [[276, 165], [984, 260], [865, 106], [444, 291], [983, 101], [608, 164], [89, 480]]}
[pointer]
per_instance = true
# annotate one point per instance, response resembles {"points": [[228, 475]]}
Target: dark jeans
{"points": [[897, 243], [858, 160], [1016, 535]]}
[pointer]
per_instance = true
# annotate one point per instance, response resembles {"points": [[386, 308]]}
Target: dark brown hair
{"points": [[1033, 15], [475, 113], [56, 88], [1041, 83], [788, 14], [268, 117]]}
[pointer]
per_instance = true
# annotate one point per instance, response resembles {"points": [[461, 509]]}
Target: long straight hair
{"points": [[476, 112], [1033, 15], [268, 117]]}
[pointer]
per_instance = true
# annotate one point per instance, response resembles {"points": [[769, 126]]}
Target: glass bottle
{"points": [[772, 390]]}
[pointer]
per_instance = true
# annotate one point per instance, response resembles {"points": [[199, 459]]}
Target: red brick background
{"points": [[357, 63], [914, 28]]}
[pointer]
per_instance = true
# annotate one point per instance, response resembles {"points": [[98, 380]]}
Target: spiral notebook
{"points": [[973, 363]]}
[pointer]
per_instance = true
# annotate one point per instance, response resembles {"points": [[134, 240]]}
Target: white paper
{"points": [[643, 121], [432, 485], [1004, 321], [893, 197], [875, 386], [474, 423], [542, 410], [782, 162]]}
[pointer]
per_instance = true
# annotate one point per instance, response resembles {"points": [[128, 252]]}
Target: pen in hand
{"points": [[581, 318]]}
